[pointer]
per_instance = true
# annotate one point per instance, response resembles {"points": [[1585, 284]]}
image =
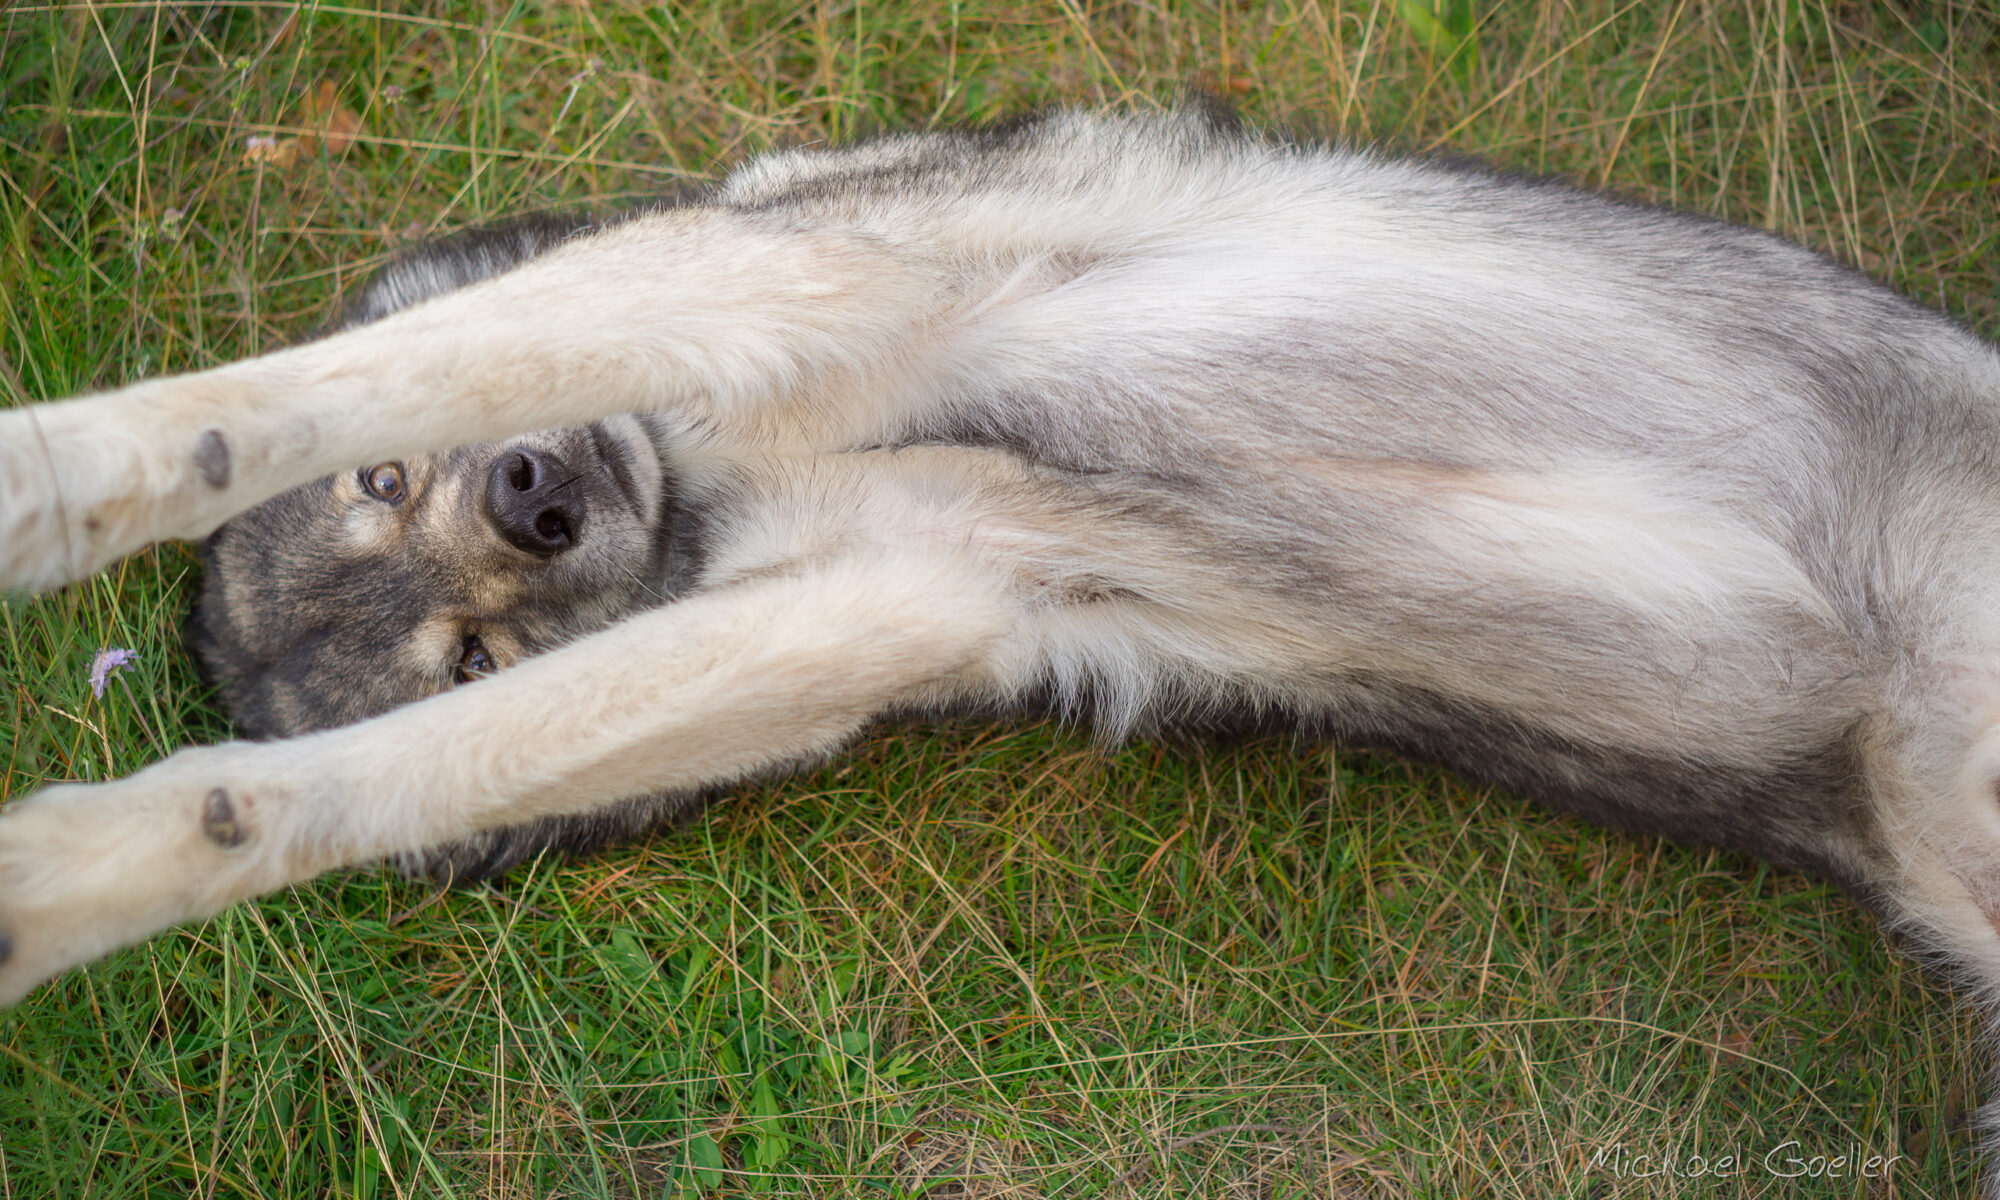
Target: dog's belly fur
{"points": [[1712, 697], [1540, 486], [1620, 548]]}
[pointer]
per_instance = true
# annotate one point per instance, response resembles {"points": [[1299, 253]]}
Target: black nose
{"points": [[533, 501]]}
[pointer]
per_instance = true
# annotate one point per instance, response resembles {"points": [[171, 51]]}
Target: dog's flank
{"points": [[1668, 522]]}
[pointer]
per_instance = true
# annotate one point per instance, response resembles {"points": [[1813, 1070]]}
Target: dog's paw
{"points": [[85, 869], [86, 481], [42, 543], [59, 904]]}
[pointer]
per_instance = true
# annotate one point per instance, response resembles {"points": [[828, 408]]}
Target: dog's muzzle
{"points": [[534, 502]]}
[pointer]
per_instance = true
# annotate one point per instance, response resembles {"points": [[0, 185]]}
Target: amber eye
{"points": [[473, 662], [384, 481]]}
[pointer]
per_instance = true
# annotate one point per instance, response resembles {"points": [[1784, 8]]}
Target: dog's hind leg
{"points": [[747, 326], [729, 683]]}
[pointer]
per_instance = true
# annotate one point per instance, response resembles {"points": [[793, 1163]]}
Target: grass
{"points": [[967, 961]]}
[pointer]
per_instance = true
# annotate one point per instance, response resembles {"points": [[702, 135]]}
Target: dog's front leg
{"points": [[726, 684], [738, 323]]}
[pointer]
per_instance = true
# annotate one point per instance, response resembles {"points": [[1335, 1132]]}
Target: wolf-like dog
{"points": [[1147, 418]]}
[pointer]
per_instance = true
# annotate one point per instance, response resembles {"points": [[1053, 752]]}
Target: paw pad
{"points": [[211, 458], [218, 820]]}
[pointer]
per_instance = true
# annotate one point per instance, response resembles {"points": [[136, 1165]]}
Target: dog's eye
{"points": [[473, 662], [384, 481]]}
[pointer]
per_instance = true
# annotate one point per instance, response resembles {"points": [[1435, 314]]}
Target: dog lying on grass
{"points": [[1145, 419]]}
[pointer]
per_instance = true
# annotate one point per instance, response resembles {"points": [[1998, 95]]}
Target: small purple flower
{"points": [[108, 662]]}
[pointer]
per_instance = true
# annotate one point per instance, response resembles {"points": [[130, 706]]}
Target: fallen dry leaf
{"points": [[1736, 1045], [341, 126], [327, 121], [271, 151]]}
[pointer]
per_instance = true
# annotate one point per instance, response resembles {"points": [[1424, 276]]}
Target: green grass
{"points": [[963, 960]]}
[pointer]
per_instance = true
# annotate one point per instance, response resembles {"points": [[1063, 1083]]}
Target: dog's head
{"points": [[393, 581]]}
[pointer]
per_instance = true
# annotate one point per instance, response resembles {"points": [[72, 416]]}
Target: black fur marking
{"points": [[211, 458], [218, 820], [6, 949], [489, 855]]}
